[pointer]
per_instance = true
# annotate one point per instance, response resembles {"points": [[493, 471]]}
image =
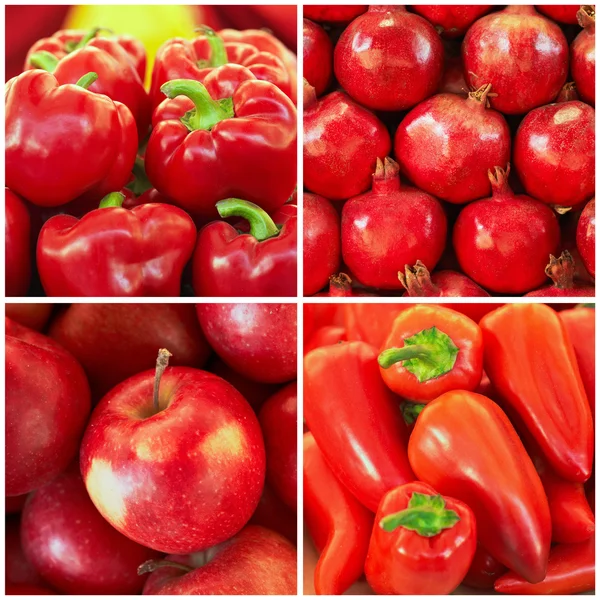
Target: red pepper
{"points": [[464, 446], [259, 51], [45, 170], [422, 542], [484, 570], [571, 570], [232, 143], [69, 55], [356, 420], [431, 350], [325, 336], [261, 263], [531, 363], [339, 525], [113, 251], [17, 245]]}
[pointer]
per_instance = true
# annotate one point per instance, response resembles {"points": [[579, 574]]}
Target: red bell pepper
{"points": [[261, 263], [484, 570], [339, 525], [431, 350], [356, 420], [45, 170], [531, 362], [325, 336], [464, 446], [70, 55], [113, 251], [232, 143], [422, 543], [17, 245], [571, 570]]}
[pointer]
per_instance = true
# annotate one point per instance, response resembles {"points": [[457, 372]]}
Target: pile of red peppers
{"points": [[186, 189], [450, 447]]}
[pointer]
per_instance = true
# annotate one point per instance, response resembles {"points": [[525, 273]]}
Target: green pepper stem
{"points": [[87, 80], [112, 200], [44, 60], [218, 52], [391, 356], [411, 411], [261, 224], [88, 37]]}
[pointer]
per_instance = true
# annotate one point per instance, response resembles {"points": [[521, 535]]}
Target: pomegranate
{"points": [[586, 237], [446, 144], [389, 227], [389, 59], [443, 284], [332, 14], [564, 13], [503, 242], [583, 55], [317, 54], [561, 270], [523, 55], [340, 286], [568, 93], [554, 153], [342, 141], [451, 20], [453, 79]]}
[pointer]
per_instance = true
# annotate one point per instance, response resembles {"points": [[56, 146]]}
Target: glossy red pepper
{"points": [[484, 570], [40, 167], [260, 263], [17, 245], [325, 336], [69, 55], [531, 362], [465, 447], [571, 570], [234, 136], [355, 420], [422, 542], [431, 350], [339, 525], [113, 251]]}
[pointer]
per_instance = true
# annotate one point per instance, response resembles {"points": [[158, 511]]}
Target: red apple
{"points": [[115, 341], [14, 504], [257, 340], [47, 407], [273, 514], [178, 466], [279, 422], [17, 569], [256, 561], [74, 549], [24, 589], [34, 315]]}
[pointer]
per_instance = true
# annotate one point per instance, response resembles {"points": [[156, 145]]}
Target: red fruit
{"points": [[389, 59], [390, 227], [14, 504], [521, 53], [446, 145], [321, 242], [34, 315], [342, 142], [453, 79], [583, 55], [47, 408], [317, 54], [257, 340], [554, 153], [586, 237], [17, 245], [273, 514], [560, 12], [503, 242], [443, 284], [561, 271], [24, 589], [74, 549], [484, 570], [341, 13], [451, 21], [568, 93], [340, 286], [17, 569]]}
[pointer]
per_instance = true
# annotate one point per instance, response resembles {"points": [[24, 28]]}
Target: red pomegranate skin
{"points": [[453, 79], [389, 59], [321, 242], [586, 237], [446, 144], [451, 20], [317, 53], [389, 227], [503, 242], [419, 283], [522, 54], [554, 153], [342, 142], [564, 13], [551, 291], [342, 13], [583, 56], [561, 271]]}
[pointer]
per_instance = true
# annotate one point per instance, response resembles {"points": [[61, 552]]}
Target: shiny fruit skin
{"points": [[341, 13], [17, 245], [317, 54], [17, 569], [586, 237], [446, 144], [389, 59], [452, 20], [554, 153], [521, 53], [583, 58], [34, 315], [560, 12]]}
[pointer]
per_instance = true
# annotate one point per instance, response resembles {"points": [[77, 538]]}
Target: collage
{"points": [[299, 299]]}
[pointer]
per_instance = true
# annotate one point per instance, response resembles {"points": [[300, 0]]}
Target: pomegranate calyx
{"points": [[568, 93], [561, 270], [386, 169], [340, 285], [482, 94], [586, 16], [499, 180], [417, 281]]}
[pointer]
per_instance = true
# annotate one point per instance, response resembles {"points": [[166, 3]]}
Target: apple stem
{"points": [[162, 362], [151, 565]]}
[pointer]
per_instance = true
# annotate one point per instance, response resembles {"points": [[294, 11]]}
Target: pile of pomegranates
{"points": [[449, 150]]}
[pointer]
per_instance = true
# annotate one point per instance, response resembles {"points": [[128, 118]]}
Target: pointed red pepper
{"points": [[17, 245]]}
